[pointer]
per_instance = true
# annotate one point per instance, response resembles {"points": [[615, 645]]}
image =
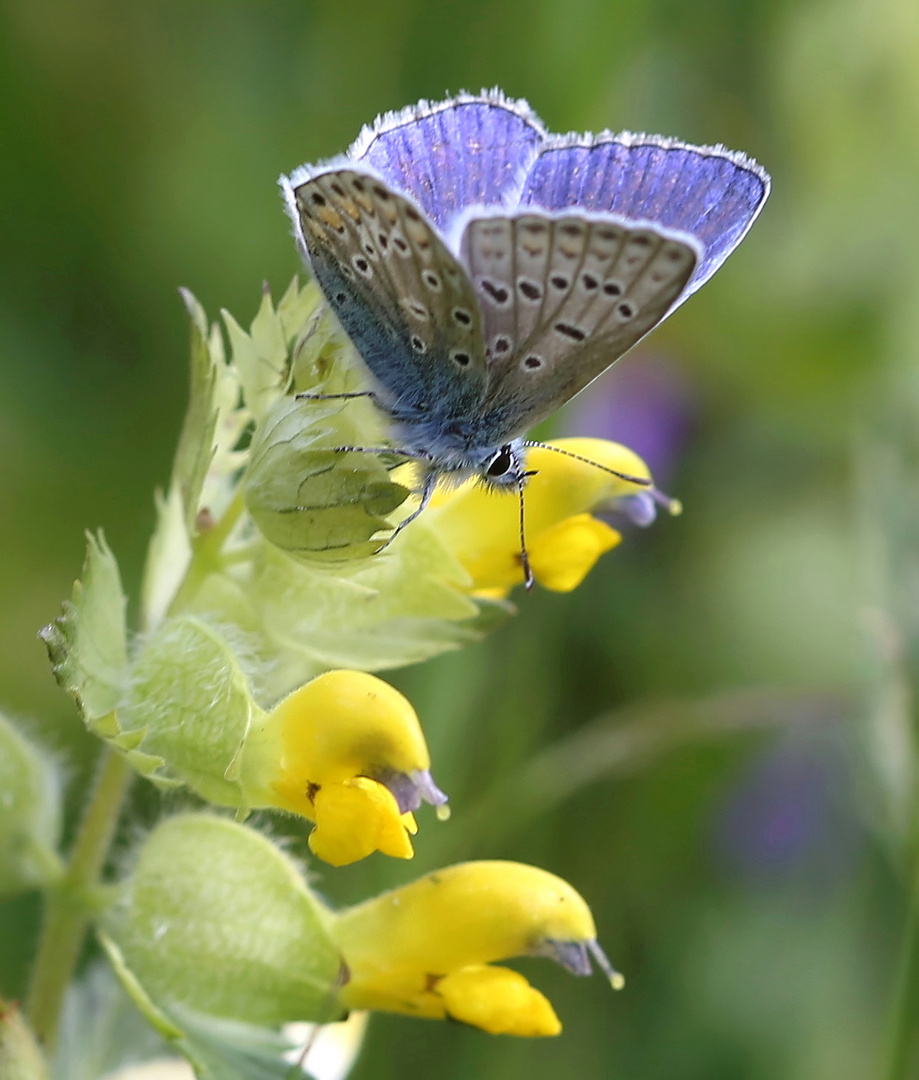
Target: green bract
{"points": [[189, 701], [216, 921], [308, 500]]}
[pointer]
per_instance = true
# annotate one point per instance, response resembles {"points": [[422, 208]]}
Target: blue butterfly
{"points": [[487, 270]]}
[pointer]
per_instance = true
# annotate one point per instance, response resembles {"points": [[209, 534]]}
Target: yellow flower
{"points": [[564, 540], [347, 752], [427, 948]]}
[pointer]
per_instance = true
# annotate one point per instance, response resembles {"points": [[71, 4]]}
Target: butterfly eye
{"points": [[500, 464]]}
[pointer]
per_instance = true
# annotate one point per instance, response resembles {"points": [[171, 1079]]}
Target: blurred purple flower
{"points": [[786, 817]]}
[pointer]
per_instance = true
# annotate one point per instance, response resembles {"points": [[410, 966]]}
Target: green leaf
{"points": [[102, 1030], [396, 608], [231, 1050], [297, 307], [168, 557], [87, 642], [260, 357], [196, 445], [217, 1049]]}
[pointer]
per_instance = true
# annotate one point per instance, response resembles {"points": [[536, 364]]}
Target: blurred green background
{"points": [[723, 712]]}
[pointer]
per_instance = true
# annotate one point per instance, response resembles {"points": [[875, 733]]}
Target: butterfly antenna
{"points": [[524, 557], [642, 481]]}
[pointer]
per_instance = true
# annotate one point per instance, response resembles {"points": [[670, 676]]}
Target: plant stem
{"points": [[902, 1057], [68, 906], [207, 552]]}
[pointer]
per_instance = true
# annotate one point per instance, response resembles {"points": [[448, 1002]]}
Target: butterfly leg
{"points": [[430, 483], [415, 455], [307, 396]]}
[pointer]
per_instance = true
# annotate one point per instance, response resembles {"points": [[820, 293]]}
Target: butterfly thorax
{"points": [[458, 448]]}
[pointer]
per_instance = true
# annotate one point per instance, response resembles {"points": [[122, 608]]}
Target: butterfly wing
{"points": [[562, 297], [452, 154], [400, 295], [711, 193]]}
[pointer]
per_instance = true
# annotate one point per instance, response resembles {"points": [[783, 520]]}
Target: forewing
{"points": [[711, 193], [400, 295], [456, 153], [562, 297]]}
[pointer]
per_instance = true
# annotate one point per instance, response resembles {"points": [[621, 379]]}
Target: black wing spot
{"points": [[371, 250], [573, 332], [498, 293], [589, 282], [536, 228], [347, 272], [418, 310], [399, 244], [318, 198], [674, 255], [641, 240], [417, 343], [529, 289], [570, 229], [609, 235], [625, 310], [383, 240], [559, 282], [338, 189], [533, 362], [431, 280], [461, 358], [502, 345], [340, 297], [357, 183], [412, 214], [361, 265], [612, 288], [462, 316], [381, 193]]}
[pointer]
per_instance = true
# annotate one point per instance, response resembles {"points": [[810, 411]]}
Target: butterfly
{"points": [[486, 270]]}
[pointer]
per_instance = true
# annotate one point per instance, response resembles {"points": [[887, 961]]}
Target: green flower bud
{"points": [[30, 814], [217, 920]]}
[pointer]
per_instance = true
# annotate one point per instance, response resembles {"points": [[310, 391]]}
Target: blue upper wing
{"points": [[468, 150], [710, 193]]}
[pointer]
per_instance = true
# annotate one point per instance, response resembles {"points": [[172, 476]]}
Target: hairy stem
{"points": [[68, 904]]}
